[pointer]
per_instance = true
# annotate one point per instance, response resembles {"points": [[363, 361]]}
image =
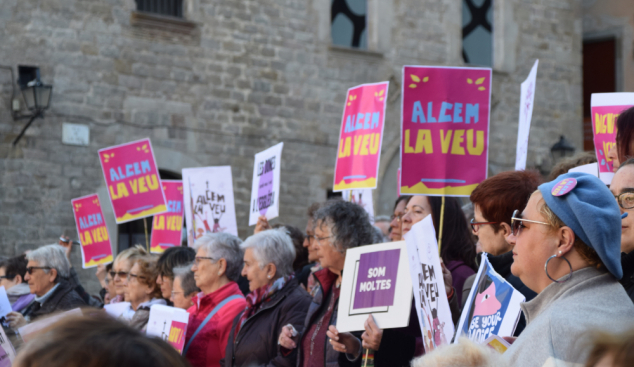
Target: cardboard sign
{"points": [[30, 331], [265, 189], [444, 130], [169, 324], [208, 199], [605, 109], [591, 169], [117, 309], [7, 351], [167, 227], [430, 295], [527, 97], [92, 231], [133, 181], [375, 281], [363, 198], [360, 137], [493, 307], [5, 304]]}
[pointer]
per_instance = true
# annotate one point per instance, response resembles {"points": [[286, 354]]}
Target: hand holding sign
{"points": [[343, 342], [371, 338]]}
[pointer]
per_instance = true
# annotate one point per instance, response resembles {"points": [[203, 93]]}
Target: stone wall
{"points": [[242, 76]]}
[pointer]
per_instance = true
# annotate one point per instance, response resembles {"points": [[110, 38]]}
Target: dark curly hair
{"points": [[350, 224]]}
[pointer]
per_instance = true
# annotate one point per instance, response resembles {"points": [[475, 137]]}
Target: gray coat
{"points": [[562, 317]]}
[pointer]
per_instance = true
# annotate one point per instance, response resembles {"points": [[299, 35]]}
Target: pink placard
{"points": [[133, 181], [177, 335], [360, 137], [92, 231], [604, 133], [444, 130], [167, 227]]}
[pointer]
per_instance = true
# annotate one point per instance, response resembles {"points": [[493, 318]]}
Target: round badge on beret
{"points": [[564, 186]]}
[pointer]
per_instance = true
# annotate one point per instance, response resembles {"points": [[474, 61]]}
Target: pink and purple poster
{"points": [[606, 108], [133, 181], [167, 227], [93, 233], [360, 137], [444, 130]]}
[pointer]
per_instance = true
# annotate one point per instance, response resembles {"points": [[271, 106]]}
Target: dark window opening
{"points": [[348, 24], [331, 194], [172, 8], [477, 32]]}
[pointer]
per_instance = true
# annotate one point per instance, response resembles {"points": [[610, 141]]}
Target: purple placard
{"points": [[265, 188], [376, 280]]}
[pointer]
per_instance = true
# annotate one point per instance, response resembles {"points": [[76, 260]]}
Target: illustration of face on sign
{"points": [[208, 199], [489, 306]]}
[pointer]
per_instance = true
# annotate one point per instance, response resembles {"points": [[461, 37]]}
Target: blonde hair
{"points": [[464, 354], [131, 254], [586, 252]]}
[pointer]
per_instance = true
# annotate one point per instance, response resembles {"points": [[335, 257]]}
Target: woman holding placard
{"points": [[276, 299], [566, 248], [339, 225]]}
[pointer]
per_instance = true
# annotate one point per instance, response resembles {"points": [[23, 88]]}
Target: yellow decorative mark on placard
{"points": [[143, 148], [369, 183], [499, 347], [415, 78], [105, 260], [421, 189], [157, 249], [106, 157], [156, 210]]}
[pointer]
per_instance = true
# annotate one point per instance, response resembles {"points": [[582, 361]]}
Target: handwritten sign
{"points": [[493, 307], [208, 199], [265, 189], [527, 97], [133, 181], [360, 137], [92, 231], [167, 227], [361, 197], [444, 129], [169, 324], [430, 295], [374, 283], [605, 109]]}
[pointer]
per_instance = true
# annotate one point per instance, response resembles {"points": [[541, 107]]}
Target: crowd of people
{"points": [[272, 299]]}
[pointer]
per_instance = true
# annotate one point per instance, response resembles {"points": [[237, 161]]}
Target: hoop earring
{"points": [[548, 275]]}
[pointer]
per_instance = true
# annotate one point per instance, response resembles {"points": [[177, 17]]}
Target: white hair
{"points": [[52, 256], [273, 246], [223, 246]]}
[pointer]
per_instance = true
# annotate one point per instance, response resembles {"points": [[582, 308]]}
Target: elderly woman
{"points": [[172, 257], [142, 292], [397, 216], [566, 248], [216, 270], [183, 288], [276, 300], [12, 274], [339, 225], [122, 265], [46, 271]]}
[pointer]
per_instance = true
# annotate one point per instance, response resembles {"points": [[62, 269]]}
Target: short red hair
{"points": [[500, 195]]}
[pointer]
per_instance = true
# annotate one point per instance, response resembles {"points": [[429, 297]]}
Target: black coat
{"points": [[256, 342], [627, 261], [63, 299]]}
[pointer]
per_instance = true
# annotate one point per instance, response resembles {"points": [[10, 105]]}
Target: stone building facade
{"points": [[234, 77]]}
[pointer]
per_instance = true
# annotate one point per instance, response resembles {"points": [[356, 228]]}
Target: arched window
{"points": [[477, 32], [348, 23]]}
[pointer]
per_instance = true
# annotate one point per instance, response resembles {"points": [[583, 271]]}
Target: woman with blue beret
{"points": [[567, 249]]}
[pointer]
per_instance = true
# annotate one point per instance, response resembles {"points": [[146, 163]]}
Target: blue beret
{"points": [[591, 211]]}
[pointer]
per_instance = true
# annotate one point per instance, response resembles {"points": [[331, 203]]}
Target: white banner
{"points": [[208, 200], [527, 98], [265, 189], [432, 305]]}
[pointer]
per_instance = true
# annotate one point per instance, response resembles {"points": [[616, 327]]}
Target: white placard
{"points": [[75, 134], [375, 281], [116, 309], [265, 190], [208, 200], [361, 197], [29, 331], [430, 295], [169, 324], [5, 304], [591, 169], [493, 307], [527, 98]]}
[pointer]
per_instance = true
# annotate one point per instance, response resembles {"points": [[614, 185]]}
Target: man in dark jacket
{"points": [[46, 271]]}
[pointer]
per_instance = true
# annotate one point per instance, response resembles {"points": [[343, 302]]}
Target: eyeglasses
{"points": [[625, 200], [121, 274], [30, 268], [319, 239], [173, 293], [135, 276], [309, 237], [198, 259], [397, 217], [475, 226], [516, 223]]}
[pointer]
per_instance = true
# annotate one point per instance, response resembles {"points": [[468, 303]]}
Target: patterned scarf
{"points": [[257, 298]]}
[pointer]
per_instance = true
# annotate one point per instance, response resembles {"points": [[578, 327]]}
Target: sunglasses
{"points": [[121, 274], [475, 226], [135, 276], [31, 268], [517, 223]]}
